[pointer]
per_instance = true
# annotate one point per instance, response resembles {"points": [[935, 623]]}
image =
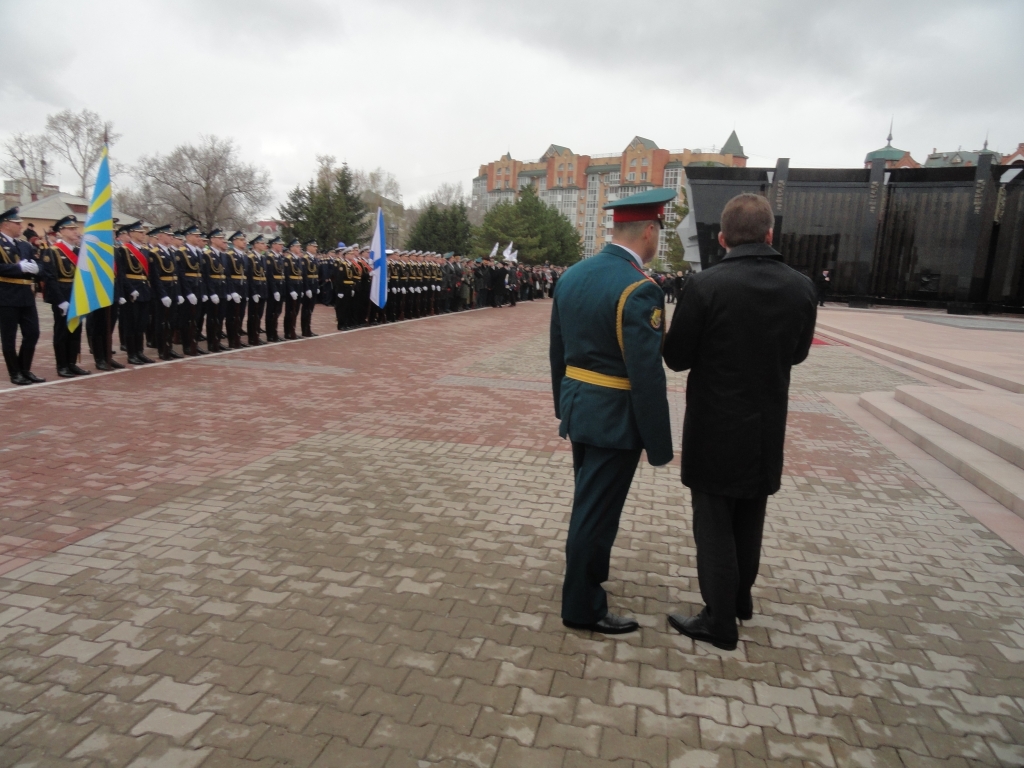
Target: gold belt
{"points": [[137, 277], [15, 280], [192, 274], [597, 379], [169, 279], [261, 279], [216, 277], [65, 279]]}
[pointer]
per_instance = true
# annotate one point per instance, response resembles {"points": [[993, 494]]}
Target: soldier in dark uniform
{"points": [[132, 267], [193, 287], [256, 274], [166, 284], [610, 394], [216, 278], [294, 286], [275, 286], [59, 261], [236, 289], [17, 300], [391, 308], [311, 277]]}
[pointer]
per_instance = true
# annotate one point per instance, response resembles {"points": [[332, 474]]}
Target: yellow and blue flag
{"points": [[94, 279]]}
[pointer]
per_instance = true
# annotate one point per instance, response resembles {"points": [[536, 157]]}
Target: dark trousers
{"points": [[273, 313], [134, 318], [100, 327], [308, 305], [163, 327], [189, 327], [603, 477], [11, 320], [291, 311], [215, 325], [252, 327], [66, 344], [233, 317], [728, 536]]}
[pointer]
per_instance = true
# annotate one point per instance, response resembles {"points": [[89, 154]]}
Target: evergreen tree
{"points": [[540, 233], [328, 209], [442, 229]]}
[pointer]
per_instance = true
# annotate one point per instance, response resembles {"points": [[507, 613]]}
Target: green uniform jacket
{"points": [[607, 319]]}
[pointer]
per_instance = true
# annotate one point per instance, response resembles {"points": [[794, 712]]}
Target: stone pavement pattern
{"points": [[265, 565]]}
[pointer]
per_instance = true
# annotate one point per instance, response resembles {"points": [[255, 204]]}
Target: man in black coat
{"points": [[739, 327], [18, 268]]}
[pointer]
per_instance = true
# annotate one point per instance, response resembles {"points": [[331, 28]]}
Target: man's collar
{"points": [[752, 249], [631, 252]]}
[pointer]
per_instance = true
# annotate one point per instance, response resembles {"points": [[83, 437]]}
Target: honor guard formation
{"points": [[183, 287]]}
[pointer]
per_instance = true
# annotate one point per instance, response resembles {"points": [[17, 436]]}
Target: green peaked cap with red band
{"points": [[646, 206]]}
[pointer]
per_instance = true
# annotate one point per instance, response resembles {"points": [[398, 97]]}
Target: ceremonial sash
{"points": [[138, 255], [72, 256]]}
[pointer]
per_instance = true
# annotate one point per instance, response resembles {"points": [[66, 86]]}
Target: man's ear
{"points": [[721, 240], [771, 234]]}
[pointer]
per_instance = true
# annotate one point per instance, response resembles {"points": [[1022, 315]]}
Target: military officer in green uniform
{"points": [[610, 394]]}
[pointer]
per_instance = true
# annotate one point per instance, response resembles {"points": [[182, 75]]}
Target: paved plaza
{"points": [[347, 551]]}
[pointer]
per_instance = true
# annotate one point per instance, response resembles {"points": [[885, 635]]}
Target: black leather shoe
{"points": [[609, 625], [115, 365], [102, 366], [134, 360], [20, 380], [65, 373], [32, 377], [200, 337], [79, 371], [175, 355], [145, 360], [696, 628]]}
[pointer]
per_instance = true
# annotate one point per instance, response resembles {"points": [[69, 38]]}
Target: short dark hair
{"points": [[747, 219]]}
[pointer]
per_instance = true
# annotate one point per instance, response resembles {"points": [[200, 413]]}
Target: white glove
{"points": [[29, 266], [166, 301], [341, 295], [309, 294], [134, 295], [122, 300], [238, 298], [404, 290], [294, 295], [277, 296], [193, 300], [256, 298], [215, 299], [63, 307]]}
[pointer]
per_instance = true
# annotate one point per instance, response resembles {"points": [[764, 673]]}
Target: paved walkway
{"points": [[348, 551]]}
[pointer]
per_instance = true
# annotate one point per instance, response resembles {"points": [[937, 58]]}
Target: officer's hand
{"points": [[29, 266], [341, 295], [63, 307], [235, 297], [309, 294], [193, 300], [294, 295], [166, 301], [134, 295], [256, 298], [277, 295], [181, 299], [215, 299], [122, 300]]}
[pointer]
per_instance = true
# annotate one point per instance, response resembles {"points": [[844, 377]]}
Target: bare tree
{"points": [[379, 183], [205, 184], [446, 194], [24, 159], [78, 139]]}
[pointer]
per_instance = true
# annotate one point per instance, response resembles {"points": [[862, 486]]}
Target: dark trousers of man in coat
{"points": [[67, 345], [13, 319], [739, 327]]}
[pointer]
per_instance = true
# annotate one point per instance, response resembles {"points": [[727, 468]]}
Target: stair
{"points": [[906, 357], [986, 451]]}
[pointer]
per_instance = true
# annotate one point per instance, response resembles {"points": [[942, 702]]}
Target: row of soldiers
{"points": [[172, 286]]}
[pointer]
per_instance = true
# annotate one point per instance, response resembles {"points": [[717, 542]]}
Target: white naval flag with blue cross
{"points": [[379, 264]]}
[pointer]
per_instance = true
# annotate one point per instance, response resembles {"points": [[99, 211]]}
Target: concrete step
{"points": [[966, 371], [1001, 434], [932, 372], [994, 475]]}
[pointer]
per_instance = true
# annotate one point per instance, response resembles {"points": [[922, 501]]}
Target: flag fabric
{"points": [[514, 256], [93, 287], [379, 263], [494, 251], [507, 253]]}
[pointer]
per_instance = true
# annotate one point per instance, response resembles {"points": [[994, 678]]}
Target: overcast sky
{"points": [[430, 89]]}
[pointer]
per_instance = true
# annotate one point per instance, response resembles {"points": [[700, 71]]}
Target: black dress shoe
{"points": [[175, 355], [145, 360], [103, 366], [20, 380], [134, 360], [200, 337], [609, 625], [115, 365], [65, 373], [162, 356], [696, 628], [79, 371], [32, 377], [200, 351]]}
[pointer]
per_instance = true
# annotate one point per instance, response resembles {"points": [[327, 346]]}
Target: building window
{"points": [[570, 166], [570, 181], [644, 163], [632, 163], [561, 166], [498, 172], [643, 176], [631, 176], [559, 182]]}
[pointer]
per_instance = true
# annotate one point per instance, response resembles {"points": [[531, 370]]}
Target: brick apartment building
{"points": [[578, 186]]}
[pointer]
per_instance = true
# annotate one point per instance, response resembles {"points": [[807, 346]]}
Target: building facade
{"points": [[578, 186]]}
